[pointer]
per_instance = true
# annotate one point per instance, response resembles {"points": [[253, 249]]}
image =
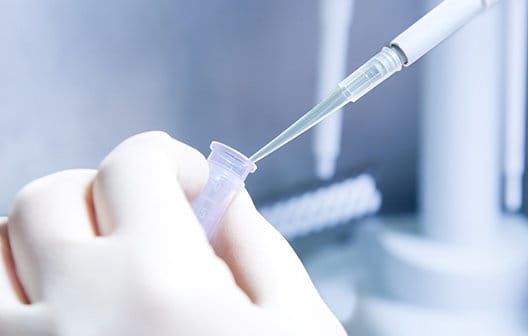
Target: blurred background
{"points": [[78, 77]]}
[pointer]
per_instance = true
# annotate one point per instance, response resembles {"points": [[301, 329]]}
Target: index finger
{"points": [[143, 188]]}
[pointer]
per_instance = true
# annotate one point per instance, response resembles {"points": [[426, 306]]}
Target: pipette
{"points": [[404, 50], [228, 168]]}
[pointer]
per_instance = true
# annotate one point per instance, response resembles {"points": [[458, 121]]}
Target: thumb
{"points": [[267, 269], [263, 263]]}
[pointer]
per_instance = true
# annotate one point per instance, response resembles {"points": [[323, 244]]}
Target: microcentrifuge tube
{"points": [[228, 170]]}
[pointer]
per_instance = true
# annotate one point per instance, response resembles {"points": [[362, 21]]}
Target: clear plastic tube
{"points": [[228, 170]]}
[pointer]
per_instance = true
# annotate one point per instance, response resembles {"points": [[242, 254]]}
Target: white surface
{"points": [[435, 26], [416, 286], [461, 132], [515, 100], [404, 266], [377, 316], [334, 26]]}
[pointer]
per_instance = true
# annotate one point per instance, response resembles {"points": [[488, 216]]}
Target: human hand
{"points": [[118, 251]]}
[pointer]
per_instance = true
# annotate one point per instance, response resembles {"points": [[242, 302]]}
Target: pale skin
{"points": [[118, 251]]}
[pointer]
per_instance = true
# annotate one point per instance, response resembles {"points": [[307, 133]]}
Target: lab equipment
{"points": [[460, 266], [324, 207], [228, 170], [515, 102], [334, 29], [404, 50]]}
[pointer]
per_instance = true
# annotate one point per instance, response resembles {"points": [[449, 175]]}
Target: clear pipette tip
{"points": [[319, 112], [380, 67]]}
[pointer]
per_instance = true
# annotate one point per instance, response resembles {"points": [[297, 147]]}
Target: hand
{"points": [[119, 251]]}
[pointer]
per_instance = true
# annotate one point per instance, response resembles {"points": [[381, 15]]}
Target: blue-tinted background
{"points": [[77, 77]]}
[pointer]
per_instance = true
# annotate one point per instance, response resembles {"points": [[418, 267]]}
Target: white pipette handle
{"points": [[437, 25]]}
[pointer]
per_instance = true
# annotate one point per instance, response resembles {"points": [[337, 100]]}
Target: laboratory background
{"points": [[407, 207]]}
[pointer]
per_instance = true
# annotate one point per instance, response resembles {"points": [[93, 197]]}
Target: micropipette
{"points": [[228, 168], [404, 50]]}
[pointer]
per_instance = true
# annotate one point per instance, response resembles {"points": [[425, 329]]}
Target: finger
{"points": [[17, 318], [141, 196], [143, 189], [11, 292], [263, 263], [46, 215]]}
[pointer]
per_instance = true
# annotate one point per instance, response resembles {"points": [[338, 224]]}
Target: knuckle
{"points": [[149, 138], [45, 188], [32, 192], [145, 149]]}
